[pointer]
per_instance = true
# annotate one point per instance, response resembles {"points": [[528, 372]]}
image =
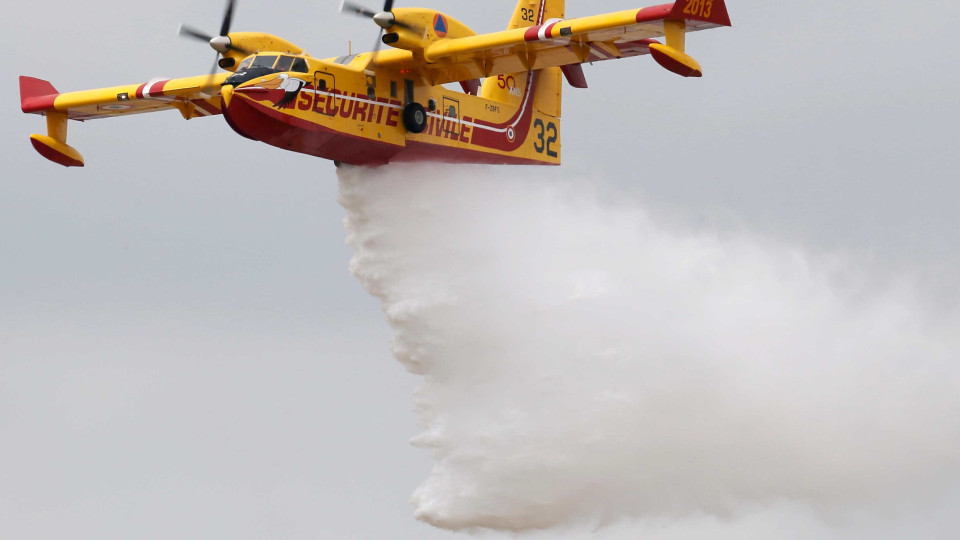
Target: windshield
{"points": [[264, 62], [284, 63], [300, 65], [274, 63], [258, 66]]}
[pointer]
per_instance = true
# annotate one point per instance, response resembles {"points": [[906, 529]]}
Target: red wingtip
{"points": [[36, 94], [698, 10]]}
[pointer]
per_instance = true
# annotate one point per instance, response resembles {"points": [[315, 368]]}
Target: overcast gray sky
{"points": [[183, 351]]}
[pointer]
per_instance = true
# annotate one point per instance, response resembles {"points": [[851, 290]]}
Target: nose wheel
{"points": [[415, 118]]}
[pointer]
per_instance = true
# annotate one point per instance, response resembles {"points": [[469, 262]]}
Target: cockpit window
{"points": [[259, 66], [264, 62], [300, 65], [284, 63]]}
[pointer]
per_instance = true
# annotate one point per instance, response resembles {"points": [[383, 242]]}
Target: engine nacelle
{"points": [[417, 28]]}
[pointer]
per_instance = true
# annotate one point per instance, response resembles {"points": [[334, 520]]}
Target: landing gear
{"points": [[415, 118]]}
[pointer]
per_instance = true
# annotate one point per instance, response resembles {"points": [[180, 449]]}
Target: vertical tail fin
{"points": [[536, 95], [535, 12], [510, 89]]}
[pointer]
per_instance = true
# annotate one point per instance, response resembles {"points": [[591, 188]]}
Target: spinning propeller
{"points": [[220, 43], [385, 20]]}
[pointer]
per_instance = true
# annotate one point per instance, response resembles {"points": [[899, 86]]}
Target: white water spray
{"points": [[582, 361]]}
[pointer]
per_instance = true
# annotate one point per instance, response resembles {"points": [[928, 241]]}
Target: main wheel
{"points": [[415, 118]]}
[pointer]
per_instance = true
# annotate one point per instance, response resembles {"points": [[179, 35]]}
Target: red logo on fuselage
{"points": [[440, 25]]}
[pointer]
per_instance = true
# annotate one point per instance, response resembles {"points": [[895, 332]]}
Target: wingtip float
{"points": [[39, 96], [390, 106]]}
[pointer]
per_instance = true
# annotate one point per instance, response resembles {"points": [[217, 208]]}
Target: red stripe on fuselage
{"points": [[495, 137], [267, 124]]}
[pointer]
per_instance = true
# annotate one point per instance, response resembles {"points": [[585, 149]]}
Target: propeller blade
{"points": [[356, 9], [388, 5], [408, 26], [240, 50], [186, 31], [220, 43], [376, 50], [227, 18], [211, 76]]}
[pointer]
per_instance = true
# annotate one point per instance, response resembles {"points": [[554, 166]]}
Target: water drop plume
{"points": [[585, 360]]}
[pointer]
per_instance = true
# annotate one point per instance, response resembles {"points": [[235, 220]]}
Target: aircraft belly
{"points": [[275, 127]]}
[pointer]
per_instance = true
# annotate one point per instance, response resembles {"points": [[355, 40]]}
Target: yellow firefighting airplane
{"points": [[390, 106]]}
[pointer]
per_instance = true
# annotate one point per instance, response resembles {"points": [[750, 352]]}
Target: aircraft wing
{"points": [[192, 96], [576, 41]]}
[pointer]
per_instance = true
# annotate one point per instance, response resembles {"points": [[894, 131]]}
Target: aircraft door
{"points": [[451, 117], [327, 99]]}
